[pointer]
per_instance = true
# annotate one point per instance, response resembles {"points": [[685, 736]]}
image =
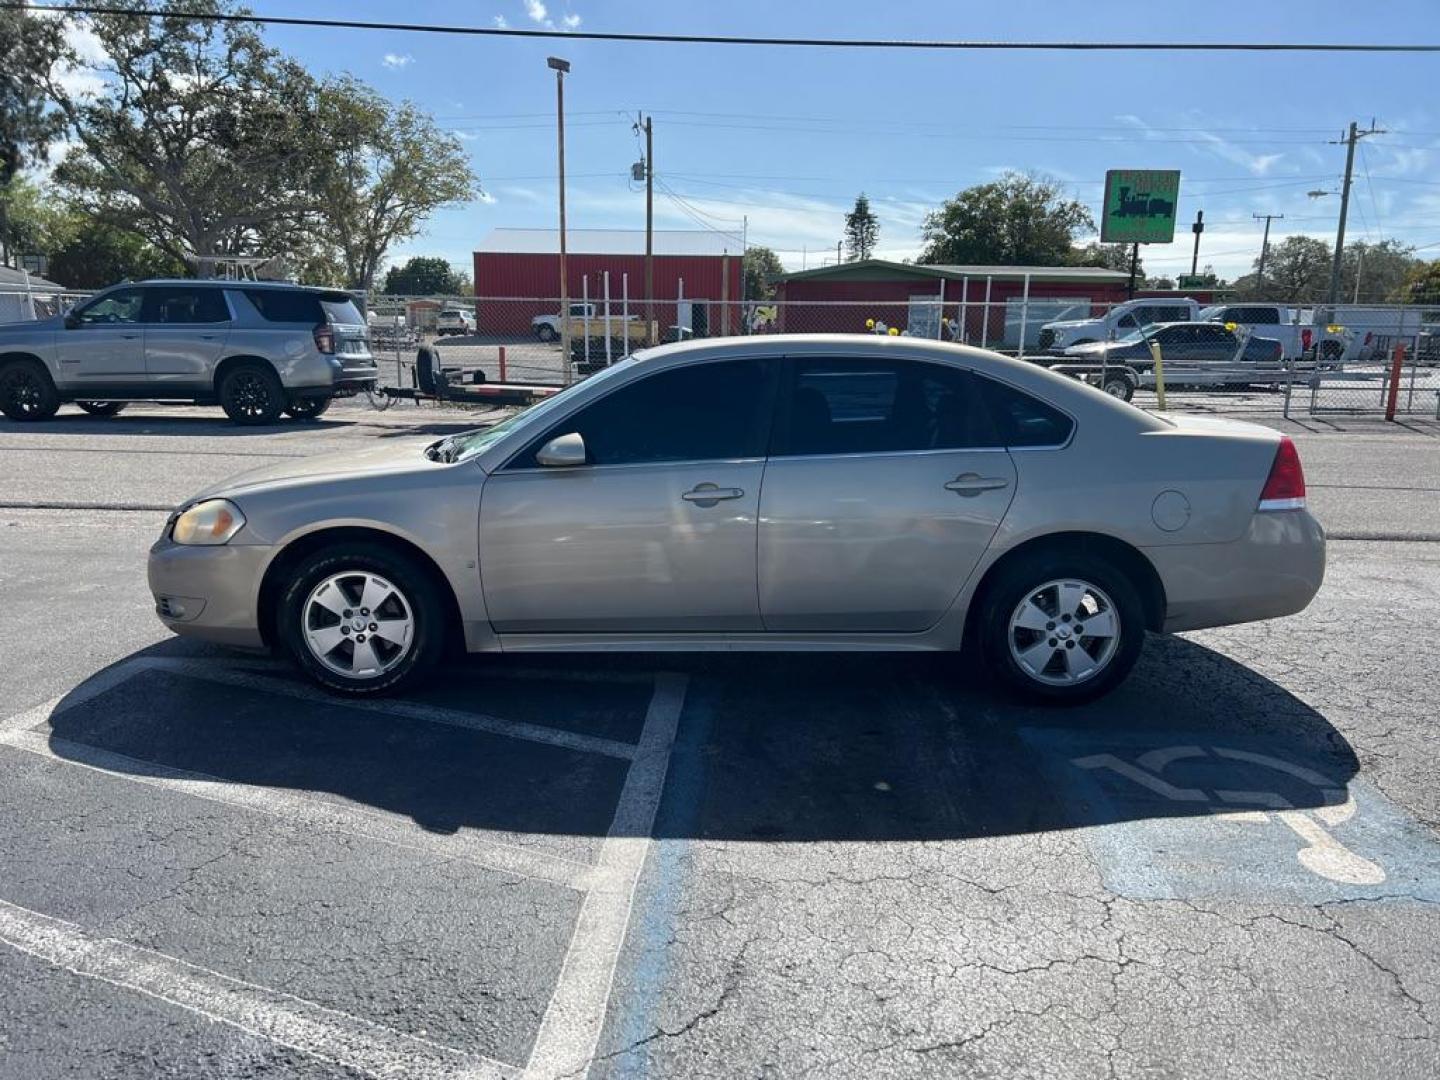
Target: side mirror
{"points": [[71, 320], [562, 452]]}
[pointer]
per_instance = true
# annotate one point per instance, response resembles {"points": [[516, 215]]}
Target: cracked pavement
{"points": [[861, 865]]}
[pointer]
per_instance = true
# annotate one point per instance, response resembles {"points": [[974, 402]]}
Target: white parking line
{"points": [[570, 1029], [282, 1018], [434, 714], [309, 811]]}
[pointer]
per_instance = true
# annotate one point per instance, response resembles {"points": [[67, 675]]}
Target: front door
{"points": [[103, 346], [185, 331], [885, 485], [656, 531]]}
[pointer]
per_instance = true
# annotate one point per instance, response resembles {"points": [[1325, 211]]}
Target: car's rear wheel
{"points": [[251, 394], [307, 408], [362, 619], [1061, 629], [26, 392], [545, 332], [101, 408]]}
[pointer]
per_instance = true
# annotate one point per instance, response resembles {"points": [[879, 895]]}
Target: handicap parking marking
{"points": [[1183, 815]]}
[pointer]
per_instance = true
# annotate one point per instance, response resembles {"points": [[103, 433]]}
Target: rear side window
{"points": [[1022, 420], [301, 306], [874, 407], [179, 305]]}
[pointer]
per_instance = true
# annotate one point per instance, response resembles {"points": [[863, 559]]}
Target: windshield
{"points": [[1136, 335], [469, 444]]}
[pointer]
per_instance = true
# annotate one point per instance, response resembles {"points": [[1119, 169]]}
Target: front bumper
{"points": [[1275, 569], [209, 592]]}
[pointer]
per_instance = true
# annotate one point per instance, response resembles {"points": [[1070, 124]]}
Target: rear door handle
{"points": [[709, 494], [968, 484]]}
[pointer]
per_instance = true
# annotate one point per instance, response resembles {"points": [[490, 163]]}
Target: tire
{"points": [[1119, 386], [1036, 589], [251, 393], [307, 408], [545, 332], [101, 408], [343, 573], [27, 392]]}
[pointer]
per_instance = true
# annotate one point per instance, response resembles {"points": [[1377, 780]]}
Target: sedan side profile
{"points": [[784, 492]]}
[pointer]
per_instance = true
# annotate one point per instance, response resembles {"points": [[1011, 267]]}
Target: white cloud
{"points": [[487, 198], [396, 61], [1207, 142], [501, 23], [82, 79], [465, 135], [538, 13]]}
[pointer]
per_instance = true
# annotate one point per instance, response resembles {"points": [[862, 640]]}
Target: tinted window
{"points": [[1022, 420], [1175, 335], [705, 412], [172, 305], [1127, 322], [301, 306], [869, 407], [1215, 335], [121, 306]]}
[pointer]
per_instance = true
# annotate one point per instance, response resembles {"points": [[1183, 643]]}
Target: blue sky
{"points": [[787, 137]]}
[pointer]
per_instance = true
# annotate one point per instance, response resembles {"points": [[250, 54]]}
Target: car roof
{"points": [[223, 283]]}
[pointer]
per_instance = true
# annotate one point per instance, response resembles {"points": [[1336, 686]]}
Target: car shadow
{"points": [[770, 747], [66, 423]]}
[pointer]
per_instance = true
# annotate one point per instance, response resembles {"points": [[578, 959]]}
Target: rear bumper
{"points": [[1275, 569], [209, 592]]}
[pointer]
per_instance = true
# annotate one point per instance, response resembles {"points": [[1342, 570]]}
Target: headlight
{"points": [[213, 521]]}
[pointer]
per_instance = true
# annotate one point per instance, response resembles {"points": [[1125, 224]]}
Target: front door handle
{"points": [[970, 484], [709, 494], [129, 337]]}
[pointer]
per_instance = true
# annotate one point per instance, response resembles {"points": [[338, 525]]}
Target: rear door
{"points": [[185, 332], [103, 346], [885, 485]]}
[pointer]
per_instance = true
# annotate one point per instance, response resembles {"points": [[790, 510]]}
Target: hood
{"points": [[26, 326], [1069, 324], [394, 458]]}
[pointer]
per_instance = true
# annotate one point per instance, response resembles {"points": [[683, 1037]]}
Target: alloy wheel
{"points": [[1064, 632], [358, 624], [250, 394], [23, 391]]}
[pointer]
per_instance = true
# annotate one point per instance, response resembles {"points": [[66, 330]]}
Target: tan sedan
{"points": [[768, 493]]}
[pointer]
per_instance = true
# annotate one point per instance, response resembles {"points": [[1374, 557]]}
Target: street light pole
{"points": [[560, 67], [1264, 245]]}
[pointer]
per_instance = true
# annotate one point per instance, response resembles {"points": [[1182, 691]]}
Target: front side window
{"points": [[704, 412], [180, 306], [870, 407], [116, 308], [1127, 322]]}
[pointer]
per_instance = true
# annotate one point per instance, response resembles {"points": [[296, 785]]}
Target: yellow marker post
{"points": [[1159, 374]]}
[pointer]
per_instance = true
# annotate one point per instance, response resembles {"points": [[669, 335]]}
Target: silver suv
{"points": [[256, 348]]}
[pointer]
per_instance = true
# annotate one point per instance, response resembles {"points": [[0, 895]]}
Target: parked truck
{"points": [[1300, 336], [1120, 320]]}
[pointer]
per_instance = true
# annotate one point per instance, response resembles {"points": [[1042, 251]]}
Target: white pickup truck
{"points": [[1294, 328], [547, 327], [1122, 319]]}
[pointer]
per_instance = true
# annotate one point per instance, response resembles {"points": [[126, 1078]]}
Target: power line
{"points": [[721, 39]]}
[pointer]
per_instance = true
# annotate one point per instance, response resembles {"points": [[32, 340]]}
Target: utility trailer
{"points": [[432, 381]]}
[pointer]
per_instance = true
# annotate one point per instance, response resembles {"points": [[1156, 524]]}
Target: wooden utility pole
{"points": [[649, 231], [1355, 135], [1264, 245], [561, 67]]}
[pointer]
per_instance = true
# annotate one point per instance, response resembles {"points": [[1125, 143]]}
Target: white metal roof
{"points": [[610, 242]]}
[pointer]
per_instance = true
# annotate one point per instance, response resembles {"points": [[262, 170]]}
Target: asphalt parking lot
{"points": [[696, 866]]}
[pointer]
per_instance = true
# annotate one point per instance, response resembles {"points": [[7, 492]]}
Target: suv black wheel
{"points": [[307, 408], [26, 392], [362, 619], [251, 394], [101, 408], [1061, 628]]}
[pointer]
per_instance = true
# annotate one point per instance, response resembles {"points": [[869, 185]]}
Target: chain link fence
{"points": [[1278, 360]]}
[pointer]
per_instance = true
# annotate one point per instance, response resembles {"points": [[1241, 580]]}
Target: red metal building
{"points": [[517, 276]]}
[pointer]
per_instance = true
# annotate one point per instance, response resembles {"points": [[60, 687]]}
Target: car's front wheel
{"points": [[362, 619], [545, 332], [26, 392], [1061, 629]]}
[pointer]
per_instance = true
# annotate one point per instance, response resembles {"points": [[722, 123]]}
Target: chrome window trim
{"points": [[561, 469]]}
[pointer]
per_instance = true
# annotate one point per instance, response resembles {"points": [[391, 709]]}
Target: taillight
{"points": [[1285, 487], [325, 339]]}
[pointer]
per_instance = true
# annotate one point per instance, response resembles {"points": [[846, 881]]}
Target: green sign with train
{"points": [[1140, 206]]}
